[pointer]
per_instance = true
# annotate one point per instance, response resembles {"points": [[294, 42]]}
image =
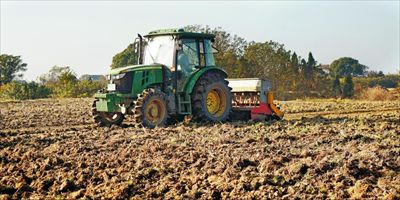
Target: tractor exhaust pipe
{"points": [[140, 50]]}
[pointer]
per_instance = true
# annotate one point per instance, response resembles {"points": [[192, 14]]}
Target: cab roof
{"points": [[179, 32]]}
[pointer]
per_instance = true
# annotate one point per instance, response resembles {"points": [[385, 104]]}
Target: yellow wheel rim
{"points": [[155, 111], [216, 102]]}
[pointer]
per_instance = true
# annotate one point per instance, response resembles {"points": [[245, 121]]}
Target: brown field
{"points": [[322, 149]]}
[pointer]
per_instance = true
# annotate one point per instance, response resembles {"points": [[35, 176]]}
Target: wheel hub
{"points": [[213, 102], [154, 111], [216, 102]]}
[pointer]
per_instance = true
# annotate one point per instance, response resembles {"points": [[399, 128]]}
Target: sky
{"points": [[85, 35]]}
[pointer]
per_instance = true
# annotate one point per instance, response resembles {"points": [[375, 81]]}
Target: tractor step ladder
{"points": [[184, 104]]}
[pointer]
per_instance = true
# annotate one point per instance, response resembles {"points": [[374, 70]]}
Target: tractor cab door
{"points": [[192, 55], [187, 61]]}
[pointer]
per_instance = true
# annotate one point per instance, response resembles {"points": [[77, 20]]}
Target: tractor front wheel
{"points": [[150, 109], [106, 118]]}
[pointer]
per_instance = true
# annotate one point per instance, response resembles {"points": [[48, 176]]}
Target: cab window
{"points": [[188, 56], [209, 56]]}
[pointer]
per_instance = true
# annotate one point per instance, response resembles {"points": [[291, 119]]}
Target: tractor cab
{"points": [[174, 65], [183, 53]]}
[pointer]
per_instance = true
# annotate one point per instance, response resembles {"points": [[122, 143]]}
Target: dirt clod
{"points": [[67, 185]]}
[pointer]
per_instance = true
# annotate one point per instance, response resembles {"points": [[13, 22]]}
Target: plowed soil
{"points": [[321, 149]]}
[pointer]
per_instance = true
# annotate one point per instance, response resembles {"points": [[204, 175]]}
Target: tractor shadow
{"points": [[245, 120]]}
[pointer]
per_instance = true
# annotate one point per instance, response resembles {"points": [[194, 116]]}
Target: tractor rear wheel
{"points": [[106, 118], [212, 99], [150, 109]]}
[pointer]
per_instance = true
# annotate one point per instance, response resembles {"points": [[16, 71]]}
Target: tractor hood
{"points": [[121, 70]]}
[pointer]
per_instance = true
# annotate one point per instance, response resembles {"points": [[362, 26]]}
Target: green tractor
{"points": [[175, 76]]}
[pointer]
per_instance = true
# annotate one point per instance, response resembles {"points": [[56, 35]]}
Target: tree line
{"points": [[291, 75]]}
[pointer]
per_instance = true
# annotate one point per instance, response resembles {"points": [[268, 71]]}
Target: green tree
{"points": [[125, 58], [302, 83], [389, 81], [336, 88], [348, 87], [230, 49], [224, 41], [268, 60], [293, 71], [241, 69], [229, 62], [23, 90], [87, 87], [61, 81], [308, 73], [347, 66], [53, 75], [294, 64], [308, 69], [66, 86], [373, 73], [10, 68], [37, 90]]}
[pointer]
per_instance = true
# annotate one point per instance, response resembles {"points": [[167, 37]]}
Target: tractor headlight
{"points": [[118, 76]]}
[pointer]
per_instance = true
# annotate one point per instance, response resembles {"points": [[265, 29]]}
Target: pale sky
{"points": [[87, 34]]}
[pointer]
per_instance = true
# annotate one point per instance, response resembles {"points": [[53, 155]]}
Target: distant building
{"points": [[325, 68]]}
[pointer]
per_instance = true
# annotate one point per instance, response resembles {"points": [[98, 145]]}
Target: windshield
{"points": [[159, 50]]}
